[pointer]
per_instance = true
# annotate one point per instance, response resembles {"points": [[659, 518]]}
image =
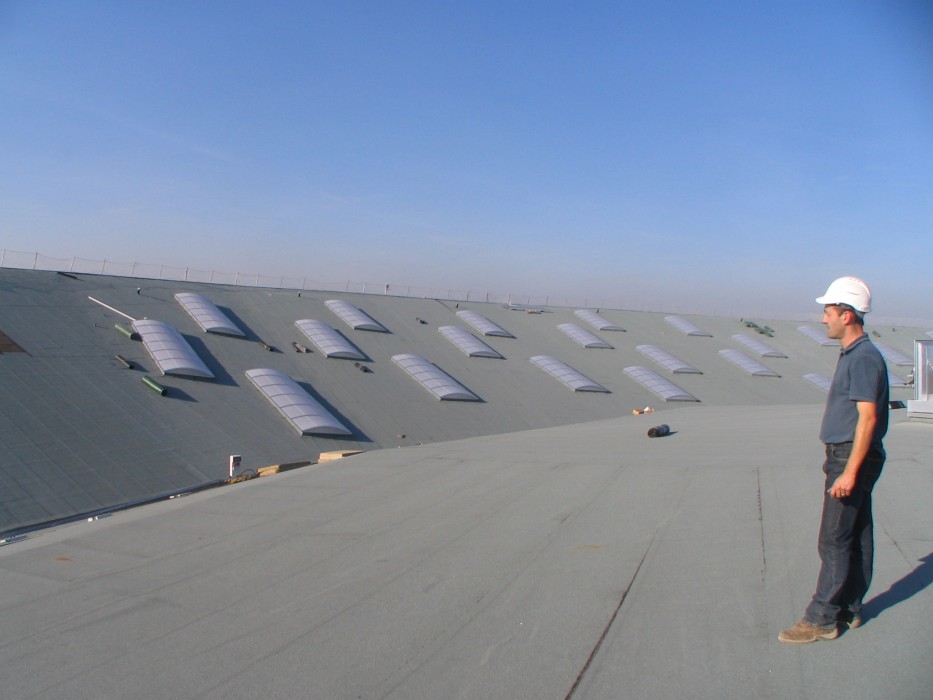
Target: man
{"points": [[854, 424]]}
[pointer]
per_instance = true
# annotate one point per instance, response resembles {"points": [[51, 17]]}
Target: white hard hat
{"points": [[850, 291]]}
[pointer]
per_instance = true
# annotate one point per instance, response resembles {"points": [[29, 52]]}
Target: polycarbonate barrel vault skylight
{"points": [[665, 359], [822, 381], [583, 337], [483, 324], [895, 381], [299, 408], [686, 327], [354, 317], [467, 342], [567, 374], [818, 336], [756, 345], [654, 382], [170, 350], [328, 341], [433, 378], [895, 357], [749, 364], [206, 314], [598, 322]]}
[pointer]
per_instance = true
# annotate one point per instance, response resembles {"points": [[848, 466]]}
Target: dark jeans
{"points": [[846, 542]]}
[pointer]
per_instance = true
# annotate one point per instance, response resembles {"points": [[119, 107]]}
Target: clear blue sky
{"points": [[712, 155]]}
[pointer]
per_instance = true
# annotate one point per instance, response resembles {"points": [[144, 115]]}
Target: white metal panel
{"points": [[598, 322], [686, 327], [483, 324], [354, 317], [749, 364], [468, 343], [756, 345], [583, 337], [667, 360], [818, 336], [653, 381]]}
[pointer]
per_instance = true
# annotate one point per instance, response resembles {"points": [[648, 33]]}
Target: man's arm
{"points": [[844, 485]]}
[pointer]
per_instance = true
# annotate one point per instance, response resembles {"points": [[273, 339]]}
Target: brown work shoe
{"points": [[804, 632], [850, 620]]}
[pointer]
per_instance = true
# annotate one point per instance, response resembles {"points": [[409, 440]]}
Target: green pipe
{"points": [[132, 335], [153, 384]]}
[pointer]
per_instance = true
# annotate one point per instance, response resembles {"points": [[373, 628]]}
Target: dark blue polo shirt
{"points": [[861, 375]]}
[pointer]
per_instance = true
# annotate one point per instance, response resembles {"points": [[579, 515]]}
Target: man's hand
{"points": [[843, 486]]}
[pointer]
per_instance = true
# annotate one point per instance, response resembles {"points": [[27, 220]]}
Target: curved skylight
{"points": [[654, 382], [686, 327], [667, 360], [583, 337], [600, 323], [895, 381], [818, 336], [206, 314], [433, 378], [354, 317], [756, 345], [329, 341], [820, 380], [567, 374], [170, 351], [749, 364], [895, 357], [299, 408], [467, 342], [483, 324]]}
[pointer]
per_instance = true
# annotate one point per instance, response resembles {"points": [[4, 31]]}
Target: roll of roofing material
{"points": [[155, 386], [659, 430]]}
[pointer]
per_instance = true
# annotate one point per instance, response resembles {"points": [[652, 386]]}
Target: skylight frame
{"points": [[169, 349], [583, 337], [687, 327], [483, 324], [893, 356], [600, 323], [756, 345], [818, 337], [305, 414], [820, 380], [433, 378], [658, 385], [206, 314], [670, 362], [469, 344], [748, 364], [329, 341], [567, 375], [354, 316]]}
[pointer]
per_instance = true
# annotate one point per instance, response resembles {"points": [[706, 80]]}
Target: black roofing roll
{"points": [[659, 430]]}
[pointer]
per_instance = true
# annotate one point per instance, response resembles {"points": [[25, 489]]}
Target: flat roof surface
{"points": [[583, 561]]}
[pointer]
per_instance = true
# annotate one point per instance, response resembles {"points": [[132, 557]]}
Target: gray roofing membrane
{"points": [[536, 544]]}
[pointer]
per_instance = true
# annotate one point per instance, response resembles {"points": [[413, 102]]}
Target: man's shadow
{"points": [[901, 590]]}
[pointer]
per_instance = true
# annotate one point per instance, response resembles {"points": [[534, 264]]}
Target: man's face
{"points": [[834, 320]]}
